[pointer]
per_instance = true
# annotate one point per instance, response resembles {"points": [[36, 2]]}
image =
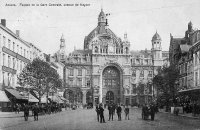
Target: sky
{"points": [[140, 19]]}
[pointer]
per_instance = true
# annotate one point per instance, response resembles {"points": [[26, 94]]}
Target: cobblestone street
{"points": [[86, 120]]}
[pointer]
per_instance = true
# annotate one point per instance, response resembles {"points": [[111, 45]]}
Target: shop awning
{"points": [[56, 99], [16, 94], [32, 98], [44, 99], [190, 90], [3, 97]]}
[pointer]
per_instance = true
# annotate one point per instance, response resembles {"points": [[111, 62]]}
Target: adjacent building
{"points": [[15, 53], [184, 53]]}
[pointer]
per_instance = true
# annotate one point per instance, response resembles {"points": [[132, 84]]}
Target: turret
{"points": [[102, 19]]}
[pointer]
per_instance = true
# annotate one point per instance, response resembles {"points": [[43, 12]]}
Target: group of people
{"points": [[148, 110], [111, 110], [36, 109]]}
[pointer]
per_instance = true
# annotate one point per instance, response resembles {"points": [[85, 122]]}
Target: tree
{"points": [[39, 76], [166, 85]]}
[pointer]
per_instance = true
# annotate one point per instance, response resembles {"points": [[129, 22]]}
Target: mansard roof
{"points": [[81, 52]]}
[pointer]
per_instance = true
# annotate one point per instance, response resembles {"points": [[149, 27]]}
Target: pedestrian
{"points": [[26, 112], [111, 111], [119, 110], [35, 112], [102, 120], [152, 111], [126, 111], [145, 112], [98, 112]]}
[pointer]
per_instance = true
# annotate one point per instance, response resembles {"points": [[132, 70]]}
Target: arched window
{"points": [[126, 50], [96, 49], [111, 77]]}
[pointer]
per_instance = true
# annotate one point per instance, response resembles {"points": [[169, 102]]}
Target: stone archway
{"points": [[111, 82]]}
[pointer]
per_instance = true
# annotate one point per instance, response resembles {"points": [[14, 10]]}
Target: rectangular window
{"points": [[150, 74], [30, 55], [17, 48], [196, 58], [9, 46], [88, 83], [4, 41], [79, 72], [27, 55], [20, 65], [133, 88], [196, 78], [13, 63], [17, 64], [4, 56], [88, 71], [134, 73], [71, 72], [21, 50], [13, 46], [150, 88], [8, 79], [71, 82], [79, 82], [8, 61], [142, 73], [24, 52], [141, 62]]}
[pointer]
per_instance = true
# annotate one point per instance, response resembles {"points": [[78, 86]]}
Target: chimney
{"points": [[17, 32], [3, 22]]}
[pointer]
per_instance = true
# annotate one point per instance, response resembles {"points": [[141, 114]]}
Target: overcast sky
{"points": [[44, 26]]}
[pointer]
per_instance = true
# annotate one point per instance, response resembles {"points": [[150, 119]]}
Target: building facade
{"points": [[106, 71], [15, 53], [184, 53]]}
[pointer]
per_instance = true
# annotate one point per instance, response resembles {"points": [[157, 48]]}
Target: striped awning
{"points": [[3, 97]]}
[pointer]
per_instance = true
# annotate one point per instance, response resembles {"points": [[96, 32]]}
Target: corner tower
{"points": [[156, 50], [61, 55]]}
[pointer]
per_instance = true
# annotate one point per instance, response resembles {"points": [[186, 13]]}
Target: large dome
{"points": [[156, 37]]}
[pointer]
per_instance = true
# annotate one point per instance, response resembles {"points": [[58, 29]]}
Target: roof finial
{"points": [[101, 5], [62, 37], [74, 48]]}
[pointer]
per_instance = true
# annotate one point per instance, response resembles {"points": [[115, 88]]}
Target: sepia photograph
{"points": [[99, 65]]}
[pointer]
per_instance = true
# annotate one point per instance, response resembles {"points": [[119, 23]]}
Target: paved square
{"points": [[86, 120]]}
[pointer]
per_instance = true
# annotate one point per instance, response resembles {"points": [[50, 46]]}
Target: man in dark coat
{"points": [[119, 110], [145, 112], [26, 112], [111, 111], [102, 120], [35, 112], [98, 112], [152, 111]]}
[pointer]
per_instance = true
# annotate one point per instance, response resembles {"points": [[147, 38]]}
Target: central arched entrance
{"points": [[111, 85]]}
